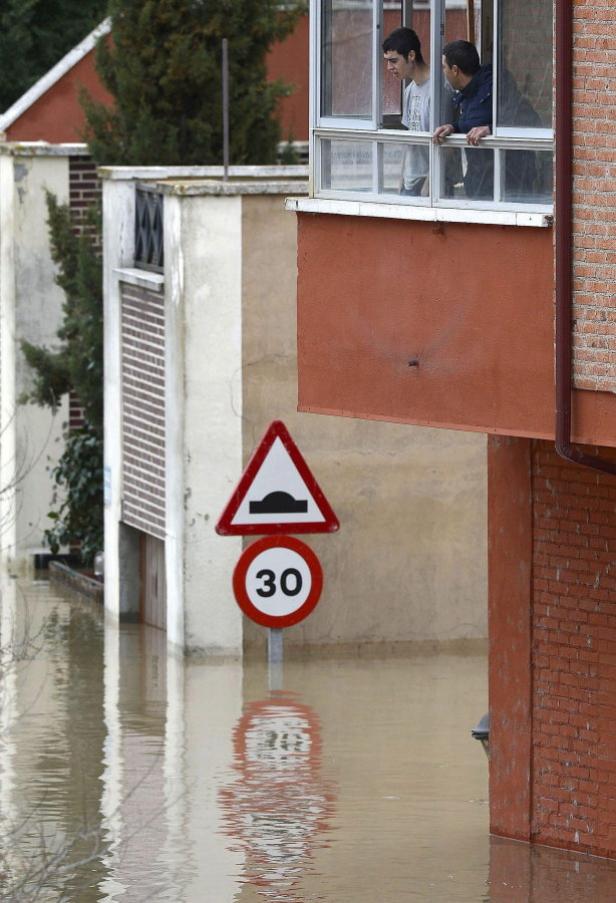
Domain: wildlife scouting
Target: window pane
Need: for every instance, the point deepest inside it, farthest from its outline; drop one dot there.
(346, 165)
(406, 85)
(467, 173)
(405, 170)
(526, 176)
(347, 58)
(525, 64)
(462, 21)
(391, 88)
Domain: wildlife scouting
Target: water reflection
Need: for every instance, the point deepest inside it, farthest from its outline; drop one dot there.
(145, 776)
(51, 673)
(278, 804)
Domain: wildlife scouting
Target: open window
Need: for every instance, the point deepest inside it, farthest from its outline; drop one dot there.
(361, 145)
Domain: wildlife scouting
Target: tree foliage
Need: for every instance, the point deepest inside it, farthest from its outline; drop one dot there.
(77, 361)
(163, 67)
(79, 511)
(35, 35)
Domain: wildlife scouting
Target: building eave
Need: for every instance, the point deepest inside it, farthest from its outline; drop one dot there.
(54, 75)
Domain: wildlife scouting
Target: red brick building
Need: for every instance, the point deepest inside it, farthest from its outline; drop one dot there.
(492, 311)
(50, 110)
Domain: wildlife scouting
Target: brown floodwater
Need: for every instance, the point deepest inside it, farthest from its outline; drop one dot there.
(129, 775)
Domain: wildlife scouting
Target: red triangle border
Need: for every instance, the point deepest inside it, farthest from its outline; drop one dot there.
(276, 430)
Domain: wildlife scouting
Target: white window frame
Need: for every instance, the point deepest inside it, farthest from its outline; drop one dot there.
(367, 130)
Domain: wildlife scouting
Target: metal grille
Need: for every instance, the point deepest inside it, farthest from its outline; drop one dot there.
(143, 410)
(149, 243)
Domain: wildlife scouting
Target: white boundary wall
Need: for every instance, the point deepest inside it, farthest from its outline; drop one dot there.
(30, 308)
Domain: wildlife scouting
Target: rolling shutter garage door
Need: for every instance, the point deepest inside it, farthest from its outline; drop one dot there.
(143, 409)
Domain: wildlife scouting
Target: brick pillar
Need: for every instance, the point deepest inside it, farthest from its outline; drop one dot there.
(552, 623)
(509, 625)
(574, 654)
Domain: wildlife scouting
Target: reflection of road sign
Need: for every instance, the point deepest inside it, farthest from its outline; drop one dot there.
(278, 807)
(277, 493)
(278, 581)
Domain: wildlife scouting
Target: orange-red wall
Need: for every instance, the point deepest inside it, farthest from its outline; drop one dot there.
(57, 116)
(510, 540)
(289, 61)
(472, 304)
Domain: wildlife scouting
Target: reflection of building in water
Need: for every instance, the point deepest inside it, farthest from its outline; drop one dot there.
(524, 872)
(278, 807)
(169, 738)
(51, 741)
(142, 801)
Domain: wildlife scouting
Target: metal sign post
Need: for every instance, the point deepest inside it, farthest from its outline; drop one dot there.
(275, 655)
(225, 108)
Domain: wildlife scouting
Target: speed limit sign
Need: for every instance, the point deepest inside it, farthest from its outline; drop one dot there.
(278, 581)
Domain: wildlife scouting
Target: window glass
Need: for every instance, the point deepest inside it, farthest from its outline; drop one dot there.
(525, 64)
(347, 58)
(526, 176)
(405, 170)
(406, 78)
(467, 173)
(346, 165)
(391, 88)
(510, 81)
(462, 21)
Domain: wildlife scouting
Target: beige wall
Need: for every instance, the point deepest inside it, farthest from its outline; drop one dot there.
(409, 562)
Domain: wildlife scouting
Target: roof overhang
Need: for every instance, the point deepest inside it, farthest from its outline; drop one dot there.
(54, 75)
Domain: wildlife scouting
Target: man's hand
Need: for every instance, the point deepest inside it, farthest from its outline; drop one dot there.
(443, 131)
(475, 135)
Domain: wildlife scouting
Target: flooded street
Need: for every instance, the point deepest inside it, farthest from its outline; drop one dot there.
(126, 775)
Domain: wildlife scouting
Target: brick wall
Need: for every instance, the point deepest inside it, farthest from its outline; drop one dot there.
(84, 191)
(595, 195)
(143, 410)
(573, 654)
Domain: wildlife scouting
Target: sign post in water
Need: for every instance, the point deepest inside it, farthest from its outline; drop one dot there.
(278, 580)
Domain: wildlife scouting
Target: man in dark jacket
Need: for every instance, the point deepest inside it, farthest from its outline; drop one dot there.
(473, 99)
(472, 84)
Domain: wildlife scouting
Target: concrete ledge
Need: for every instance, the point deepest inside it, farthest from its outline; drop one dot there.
(62, 574)
(42, 149)
(421, 212)
(154, 282)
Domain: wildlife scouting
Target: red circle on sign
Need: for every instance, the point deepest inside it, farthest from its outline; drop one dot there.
(240, 575)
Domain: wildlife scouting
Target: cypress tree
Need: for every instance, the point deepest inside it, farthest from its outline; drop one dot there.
(163, 67)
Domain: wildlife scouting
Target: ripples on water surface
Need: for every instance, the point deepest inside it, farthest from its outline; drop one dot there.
(127, 776)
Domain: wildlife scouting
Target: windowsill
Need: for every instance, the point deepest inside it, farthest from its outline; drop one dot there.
(422, 214)
(154, 282)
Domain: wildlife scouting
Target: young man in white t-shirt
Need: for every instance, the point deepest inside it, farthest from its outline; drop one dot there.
(402, 52)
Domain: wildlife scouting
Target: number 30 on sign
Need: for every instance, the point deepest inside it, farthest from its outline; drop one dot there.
(278, 581)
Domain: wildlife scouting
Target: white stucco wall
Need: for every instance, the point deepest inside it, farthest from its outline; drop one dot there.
(30, 308)
(204, 415)
(118, 252)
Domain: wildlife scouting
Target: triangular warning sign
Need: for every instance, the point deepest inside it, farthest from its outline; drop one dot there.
(277, 493)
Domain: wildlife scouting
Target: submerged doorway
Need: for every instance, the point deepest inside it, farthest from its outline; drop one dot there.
(153, 599)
